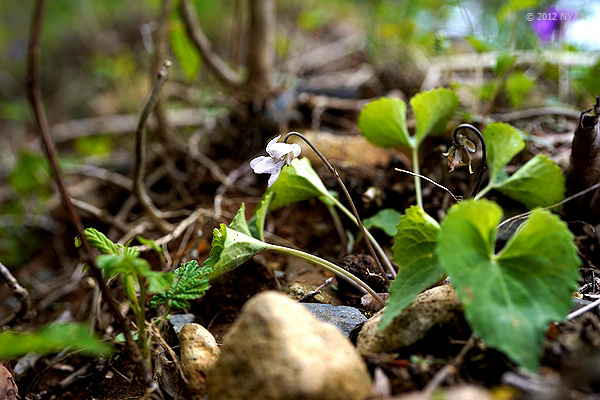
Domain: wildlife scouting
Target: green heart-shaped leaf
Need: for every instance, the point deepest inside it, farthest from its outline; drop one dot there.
(383, 123)
(413, 249)
(503, 142)
(433, 109)
(509, 297)
(297, 182)
(386, 220)
(538, 183)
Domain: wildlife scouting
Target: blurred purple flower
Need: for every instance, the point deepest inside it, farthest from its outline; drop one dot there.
(546, 25)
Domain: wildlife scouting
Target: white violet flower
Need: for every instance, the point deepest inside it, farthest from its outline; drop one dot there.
(280, 154)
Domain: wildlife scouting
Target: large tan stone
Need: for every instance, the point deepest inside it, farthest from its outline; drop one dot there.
(277, 350)
(199, 351)
(432, 308)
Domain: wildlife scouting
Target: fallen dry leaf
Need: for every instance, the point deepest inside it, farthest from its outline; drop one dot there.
(8, 387)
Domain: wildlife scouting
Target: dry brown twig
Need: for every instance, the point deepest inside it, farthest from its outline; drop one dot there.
(35, 98)
(164, 133)
(19, 291)
(260, 55)
(140, 153)
(125, 124)
(226, 75)
(179, 229)
(448, 369)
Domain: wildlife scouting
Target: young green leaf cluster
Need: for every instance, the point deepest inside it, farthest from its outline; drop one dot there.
(136, 274)
(119, 259)
(190, 283)
(505, 295)
(106, 246)
(383, 122)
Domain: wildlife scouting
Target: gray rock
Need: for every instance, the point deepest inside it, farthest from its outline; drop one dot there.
(433, 307)
(277, 350)
(179, 320)
(342, 317)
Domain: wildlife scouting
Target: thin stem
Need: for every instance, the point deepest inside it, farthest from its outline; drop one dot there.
(483, 165)
(449, 368)
(347, 194)
(430, 181)
(140, 153)
(378, 248)
(415, 162)
(35, 97)
(337, 270)
(337, 222)
(483, 192)
(316, 291)
(143, 337)
(560, 203)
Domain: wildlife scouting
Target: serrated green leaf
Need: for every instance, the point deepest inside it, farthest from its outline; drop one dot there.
(386, 220)
(510, 297)
(503, 142)
(190, 283)
(413, 249)
(256, 224)
(538, 183)
(433, 109)
(239, 222)
(383, 123)
(99, 241)
(51, 339)
(297, 182)
(185, 52)
(230, 249)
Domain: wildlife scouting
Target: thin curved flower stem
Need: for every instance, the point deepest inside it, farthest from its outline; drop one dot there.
(378, 248)
(336, 269)
(140, 153)
(347, 194)
(483, 165)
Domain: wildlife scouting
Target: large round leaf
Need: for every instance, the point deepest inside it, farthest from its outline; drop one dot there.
(383, 123)
(509, 297)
